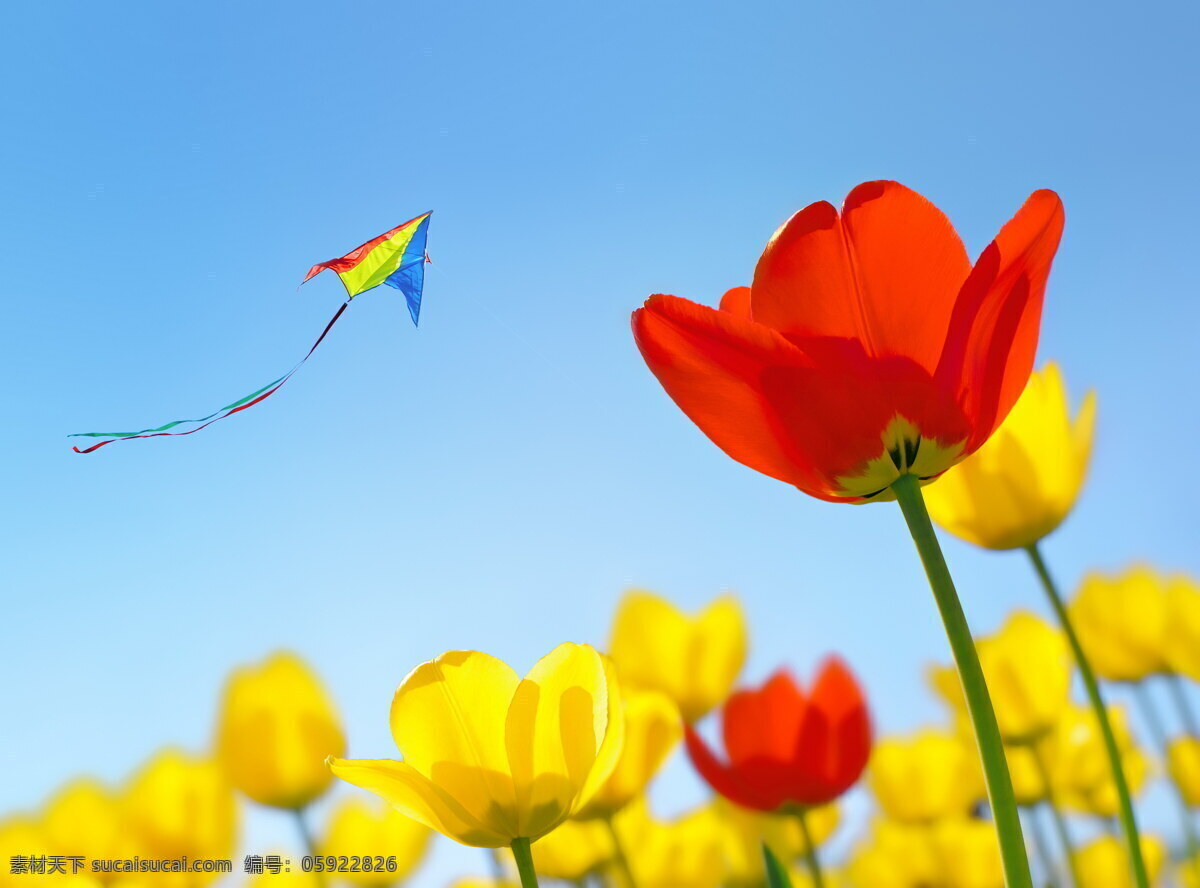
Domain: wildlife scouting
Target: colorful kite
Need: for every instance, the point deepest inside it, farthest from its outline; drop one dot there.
(396, 258)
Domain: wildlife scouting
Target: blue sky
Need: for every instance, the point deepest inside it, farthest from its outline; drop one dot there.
(495, 479)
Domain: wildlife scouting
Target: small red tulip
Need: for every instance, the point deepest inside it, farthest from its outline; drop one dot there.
(868, 347)
(786, 749)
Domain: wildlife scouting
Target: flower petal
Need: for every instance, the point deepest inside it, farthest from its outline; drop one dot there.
(612, 749)
(737, 301)
(448, 720)
(886, 273)
(725, 779)
(764, 723)
(711, 362)
(415, 796)
(555, 728)
(839, 698)
(993, 333)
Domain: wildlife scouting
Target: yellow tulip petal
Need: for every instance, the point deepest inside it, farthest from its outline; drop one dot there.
(652, 729)
(695, 661)
(556, 726)
(357, 828)
(612, 747)
(716, 653)
(277, 727)
(415, 796)
(1025, 479)
(448, 719)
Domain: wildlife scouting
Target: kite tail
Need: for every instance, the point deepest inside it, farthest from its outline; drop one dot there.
(228, 410)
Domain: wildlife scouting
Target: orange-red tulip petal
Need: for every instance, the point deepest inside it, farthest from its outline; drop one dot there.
(785, 748)
(867, 346)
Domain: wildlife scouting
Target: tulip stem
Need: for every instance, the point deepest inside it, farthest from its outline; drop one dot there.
(1129, 825)
(810, 849)
(979, 704)
(1141, 694)
(310, 845)
(524, 859)
(620, 860)
(1186, 713)
(1056, 814)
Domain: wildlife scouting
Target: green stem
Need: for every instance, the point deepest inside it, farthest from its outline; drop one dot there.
(1186, 713)
(810, 849)
(1056, 814)
(1041, 847)
(979, 703)
(310, 845)
(1129, 828)
(620, 861)
(524, 859)
(1142, 695)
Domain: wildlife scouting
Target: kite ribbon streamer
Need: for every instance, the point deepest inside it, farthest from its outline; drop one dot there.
(228, 410)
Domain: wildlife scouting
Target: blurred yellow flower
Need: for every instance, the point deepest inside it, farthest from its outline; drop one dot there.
(652, 731)
(179, 805)
(277, 726)
(359, 829)
(1183, 764)
(957, 852)
(746, 831)
(1183, 626)
(1028, 669)
(90, 820)
(1122, 621)
(1103, 863)
(295, 878)
(483, 882)
(1028, 785)
(574, 850)
(693, 660)
(1079, 764)
(968, 853)
(687, 852)
(490, 757)
(20, 836)
(929, 776)
(1022, 483)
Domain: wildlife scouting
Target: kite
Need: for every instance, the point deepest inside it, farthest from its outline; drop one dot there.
(396, 258)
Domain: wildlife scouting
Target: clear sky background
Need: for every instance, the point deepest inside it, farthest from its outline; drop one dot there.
(495, 479)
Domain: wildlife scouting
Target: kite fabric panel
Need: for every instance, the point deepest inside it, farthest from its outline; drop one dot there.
(396, 258)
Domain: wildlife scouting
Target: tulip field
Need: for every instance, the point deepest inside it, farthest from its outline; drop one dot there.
(762, 460)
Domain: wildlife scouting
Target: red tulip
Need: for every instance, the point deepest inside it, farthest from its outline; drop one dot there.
(868, 346)
(785, 749)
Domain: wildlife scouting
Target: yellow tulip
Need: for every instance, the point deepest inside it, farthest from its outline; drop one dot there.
(652, 730)
(687, 852)
(929, 776)
(574, 850)
(968, 853)
(957, 852)
(277, 727)
(1028, 785)
(1022, 483)
(1028, 669)
(490, 757)
(1079, 765)
(1123, 623)
(21, 836)
(895, 855)
(746, 831)
(90, 820)
(1183, 764)
(1183, 622)
(1103, 863)
(359, 829)
(181, 805)
(693, 660)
